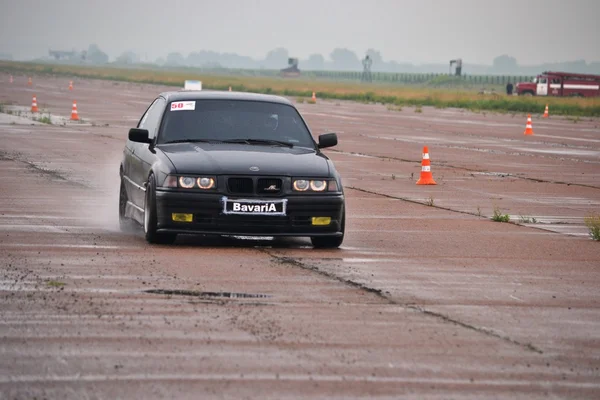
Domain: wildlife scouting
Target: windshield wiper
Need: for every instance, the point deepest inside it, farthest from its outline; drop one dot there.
(195, 141)
(260, 141)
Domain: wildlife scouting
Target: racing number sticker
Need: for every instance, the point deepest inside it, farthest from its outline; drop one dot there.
(183, 105)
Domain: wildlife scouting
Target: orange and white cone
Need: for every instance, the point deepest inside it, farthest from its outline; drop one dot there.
(528, 127)
(70, 85)
(426, 176)
(74, 113)
(314, 97)
(546, 112)
(34, 107)
(29, 82)
(230, 88)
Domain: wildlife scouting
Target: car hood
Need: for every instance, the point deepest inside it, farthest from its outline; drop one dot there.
(237, 159)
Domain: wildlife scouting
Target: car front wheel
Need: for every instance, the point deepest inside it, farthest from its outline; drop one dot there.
(150, 219)
(126, 224)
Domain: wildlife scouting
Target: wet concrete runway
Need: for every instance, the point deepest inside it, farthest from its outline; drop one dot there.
(422, 301)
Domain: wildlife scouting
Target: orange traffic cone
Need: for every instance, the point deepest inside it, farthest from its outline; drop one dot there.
(74, 114)
(426, 176)
(528, 127)
(314, 97)
(29, 82)
(70, 85)
(34, 107)
(546, 112)
(230, 88)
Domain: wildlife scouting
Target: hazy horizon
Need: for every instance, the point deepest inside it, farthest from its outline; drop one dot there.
(534, 32)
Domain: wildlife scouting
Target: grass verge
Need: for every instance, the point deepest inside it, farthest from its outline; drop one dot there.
(366, 93)
(593, 224)
(527, 220)
(45, 119)
(499, 217)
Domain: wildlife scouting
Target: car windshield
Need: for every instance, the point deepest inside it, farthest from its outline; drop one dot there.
(248, 122)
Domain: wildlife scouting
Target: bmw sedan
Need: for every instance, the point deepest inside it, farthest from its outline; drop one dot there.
(230, 164)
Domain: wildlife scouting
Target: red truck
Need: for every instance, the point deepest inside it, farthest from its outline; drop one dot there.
(560, 84)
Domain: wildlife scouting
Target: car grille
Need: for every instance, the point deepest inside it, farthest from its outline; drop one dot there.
(240, 185)
(269, 186)
(260, 186)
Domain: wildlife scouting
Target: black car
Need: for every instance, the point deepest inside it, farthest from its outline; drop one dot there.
(227, 163)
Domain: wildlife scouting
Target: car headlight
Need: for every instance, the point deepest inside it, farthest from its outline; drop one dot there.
(313, 185)
(190, 182)
(301, 185)
(205, 183)
(186, 182)
(318, 186)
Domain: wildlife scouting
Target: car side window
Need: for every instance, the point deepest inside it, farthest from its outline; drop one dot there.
(142, 120)
(151, 118)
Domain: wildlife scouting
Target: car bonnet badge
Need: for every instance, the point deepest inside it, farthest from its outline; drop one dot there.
(254, 168)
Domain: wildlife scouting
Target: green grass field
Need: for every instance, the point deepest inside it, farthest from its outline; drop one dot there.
(325, 89)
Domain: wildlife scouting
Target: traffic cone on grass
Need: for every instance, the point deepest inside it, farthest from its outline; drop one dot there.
(426, 176)
(74, 114)
(34, 107)
(528, 127)
(546, 112)
(314, 97)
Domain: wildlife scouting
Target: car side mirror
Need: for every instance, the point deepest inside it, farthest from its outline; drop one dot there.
(327, 140)
(139, 135)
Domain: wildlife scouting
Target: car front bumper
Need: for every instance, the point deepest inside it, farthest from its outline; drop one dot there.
(209, 218)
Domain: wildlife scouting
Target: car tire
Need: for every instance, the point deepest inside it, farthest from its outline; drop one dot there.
(150, 218)
(330, 242)
(125, 224)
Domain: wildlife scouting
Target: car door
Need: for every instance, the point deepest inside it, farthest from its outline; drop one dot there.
(142, 158)
(542, 87)
(131, 165)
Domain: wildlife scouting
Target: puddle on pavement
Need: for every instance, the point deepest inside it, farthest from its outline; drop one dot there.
(563, 152)
(368, 260)
(500, 174)
(219, 295)
(66, 246)
(361, 260)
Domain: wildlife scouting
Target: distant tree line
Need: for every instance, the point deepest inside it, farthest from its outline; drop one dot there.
(340, 59)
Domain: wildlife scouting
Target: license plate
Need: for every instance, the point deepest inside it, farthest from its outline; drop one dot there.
(254, 207)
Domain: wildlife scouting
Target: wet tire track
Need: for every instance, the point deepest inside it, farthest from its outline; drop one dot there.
(296, 262)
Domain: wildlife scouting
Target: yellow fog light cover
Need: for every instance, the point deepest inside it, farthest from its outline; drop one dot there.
(321, 220)
(180, 217)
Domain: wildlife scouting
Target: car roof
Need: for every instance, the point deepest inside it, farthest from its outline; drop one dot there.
(183, 95)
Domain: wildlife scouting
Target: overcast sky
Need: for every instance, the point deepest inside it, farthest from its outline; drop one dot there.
(418, 31)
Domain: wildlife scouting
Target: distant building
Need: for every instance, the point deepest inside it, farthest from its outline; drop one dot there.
(292, 71)
(61, 55)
